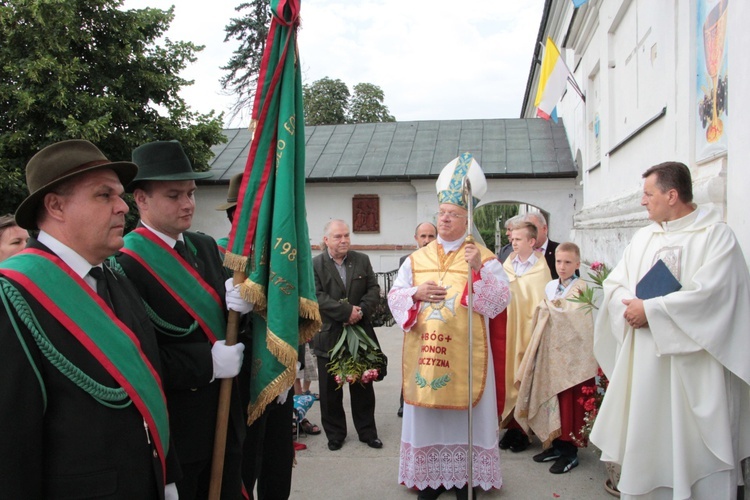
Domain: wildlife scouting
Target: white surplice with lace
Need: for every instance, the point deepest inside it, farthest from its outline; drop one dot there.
(434, 443)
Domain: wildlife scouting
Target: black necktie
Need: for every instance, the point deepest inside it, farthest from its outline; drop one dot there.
(101, 285)
(181, 249)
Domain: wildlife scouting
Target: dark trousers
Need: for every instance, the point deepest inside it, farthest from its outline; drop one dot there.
(196, 478)
(268, 449)
(332, 406)
(268, 452)
(565, 447)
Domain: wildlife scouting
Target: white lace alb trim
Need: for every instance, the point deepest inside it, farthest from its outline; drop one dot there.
(446, 465)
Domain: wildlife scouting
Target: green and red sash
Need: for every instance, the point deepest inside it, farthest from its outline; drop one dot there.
(222, 243)
(178, 278)
(73, 303)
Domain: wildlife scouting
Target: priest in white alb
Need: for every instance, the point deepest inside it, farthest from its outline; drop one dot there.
(676, 413)
(429, 301)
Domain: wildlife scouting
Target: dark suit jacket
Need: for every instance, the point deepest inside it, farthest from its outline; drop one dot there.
(549, 256)
(187, 361)
(361, 289)
(76, 447)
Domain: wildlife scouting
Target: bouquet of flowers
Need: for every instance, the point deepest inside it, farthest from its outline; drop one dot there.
(589, 297)
(355, 357)
(593, 394)
(591, 402)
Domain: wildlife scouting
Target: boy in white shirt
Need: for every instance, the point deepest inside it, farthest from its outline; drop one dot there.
(567, 262)
(523, 238)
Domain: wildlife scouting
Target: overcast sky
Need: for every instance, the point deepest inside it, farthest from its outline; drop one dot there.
(434, 59)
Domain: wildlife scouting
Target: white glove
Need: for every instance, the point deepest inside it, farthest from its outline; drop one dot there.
(235, 302)
(170, 492)
(281, 398)
(227, 359)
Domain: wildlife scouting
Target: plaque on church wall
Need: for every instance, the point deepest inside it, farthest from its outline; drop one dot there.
(366, 213)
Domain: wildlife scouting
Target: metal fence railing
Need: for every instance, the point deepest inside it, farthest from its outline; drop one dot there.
(383, 316)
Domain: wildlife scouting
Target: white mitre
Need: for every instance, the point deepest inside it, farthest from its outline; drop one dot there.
(449, 184)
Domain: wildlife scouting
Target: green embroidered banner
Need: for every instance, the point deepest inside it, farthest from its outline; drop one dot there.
(71, 301)
(269, 240)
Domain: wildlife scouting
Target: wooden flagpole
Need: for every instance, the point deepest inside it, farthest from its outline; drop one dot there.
(225, 398)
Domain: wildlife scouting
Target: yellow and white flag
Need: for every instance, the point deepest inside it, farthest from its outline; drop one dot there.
(552, 81)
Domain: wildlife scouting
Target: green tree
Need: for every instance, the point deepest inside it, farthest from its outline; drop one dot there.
(325, 102)
(244, 66)
(85, 69)
(328, 102)
(366, 105)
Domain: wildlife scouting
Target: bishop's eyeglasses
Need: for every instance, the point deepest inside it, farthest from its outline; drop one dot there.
(452, 215)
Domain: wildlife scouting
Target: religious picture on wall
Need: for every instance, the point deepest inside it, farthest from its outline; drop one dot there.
(366, 213)
(712, 82)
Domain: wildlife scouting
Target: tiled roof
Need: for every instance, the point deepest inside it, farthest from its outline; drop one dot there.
(505, 148)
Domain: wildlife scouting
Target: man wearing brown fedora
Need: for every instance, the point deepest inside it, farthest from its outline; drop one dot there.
(83, 408)
(181, 277)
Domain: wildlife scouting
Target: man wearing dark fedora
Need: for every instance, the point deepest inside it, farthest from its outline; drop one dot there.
(83, 408)
(181, 277)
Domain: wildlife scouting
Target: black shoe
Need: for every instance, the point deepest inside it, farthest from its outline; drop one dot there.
(400, 411)
(334, 444)
(508, 438)
(520, 443)
(564, 464)
(430, 493)
(373, 443)
(548, 455)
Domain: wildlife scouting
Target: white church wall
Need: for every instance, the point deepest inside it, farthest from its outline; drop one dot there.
(738, 176)
(558, 197)
(627, 69)
(398, 216)
(206, 219)
(402, 206)
(633, 59)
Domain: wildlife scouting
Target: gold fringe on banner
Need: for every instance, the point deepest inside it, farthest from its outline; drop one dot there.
(285, 353)
(281, 383)
(254, 293)
(311, 320)
(235, 262)
(287, 356)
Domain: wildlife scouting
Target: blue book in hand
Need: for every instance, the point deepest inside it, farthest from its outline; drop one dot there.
(657, 282)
